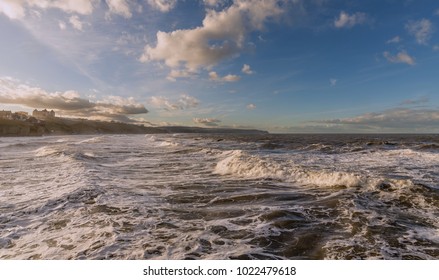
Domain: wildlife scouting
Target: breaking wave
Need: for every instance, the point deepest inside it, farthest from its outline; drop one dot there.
(241, 164)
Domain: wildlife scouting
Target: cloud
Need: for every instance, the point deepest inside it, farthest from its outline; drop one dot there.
(13, 9)
(76, 22)
(213, 3)
(333, 82)
(421, 30)
(183, 103)
(174, 74)
(246, 69)
(162, 5)
(251, 106)
(436, 47)
(222, 35)
(398, 118)
(213, 76)
(68, 103)
(347, 21)
(62, 25)
(394, 40)
(206, 121)
(417, 101)
(16, 9)
(401, 57)
(119, 7)
(83, 7)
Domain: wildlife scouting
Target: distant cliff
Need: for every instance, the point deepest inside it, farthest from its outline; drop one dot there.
(187, 129)
(62, 126)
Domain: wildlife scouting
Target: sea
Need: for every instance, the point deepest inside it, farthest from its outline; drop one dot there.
(213, 196)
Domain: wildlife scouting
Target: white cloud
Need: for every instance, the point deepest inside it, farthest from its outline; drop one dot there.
(207, 121)
(69, 102)
(393, 118)
(76, 22)
(222, 35)
(231, 78)
(401, 57)
(83, 7)
(394, 40)
(174, 74)
(436, 47)
(348, 21)
(213, 3)
(16, 9)
(213, 76)
(119, 7)
(421, 30)
(162, 5)
(333, 82)
(183, 103)
(251, 106)
(13, 9)
(246, 69)
(62, 25)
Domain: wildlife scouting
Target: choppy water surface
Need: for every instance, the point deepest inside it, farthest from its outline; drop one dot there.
(220, 197)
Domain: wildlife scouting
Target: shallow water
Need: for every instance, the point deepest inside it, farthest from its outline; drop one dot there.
(220, 197)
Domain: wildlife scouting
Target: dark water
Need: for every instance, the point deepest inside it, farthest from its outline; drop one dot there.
(220, 197)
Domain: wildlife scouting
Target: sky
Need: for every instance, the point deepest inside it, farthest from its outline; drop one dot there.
(287, 66)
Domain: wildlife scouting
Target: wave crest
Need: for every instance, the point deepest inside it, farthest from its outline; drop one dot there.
(241, 164)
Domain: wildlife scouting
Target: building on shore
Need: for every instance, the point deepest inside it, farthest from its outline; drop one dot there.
(43, 114)
(6, 115)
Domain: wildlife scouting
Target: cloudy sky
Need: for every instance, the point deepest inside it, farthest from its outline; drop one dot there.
(278, 65)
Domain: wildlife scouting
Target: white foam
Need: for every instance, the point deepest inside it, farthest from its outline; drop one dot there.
(241, 164)
(93, 140)
(46, 151)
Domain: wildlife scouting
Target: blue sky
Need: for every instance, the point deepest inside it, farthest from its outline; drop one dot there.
(278, 65)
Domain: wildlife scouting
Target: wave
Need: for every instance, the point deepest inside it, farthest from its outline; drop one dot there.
(47, 151)
(93, 140)
(241, 164)
(160, 142)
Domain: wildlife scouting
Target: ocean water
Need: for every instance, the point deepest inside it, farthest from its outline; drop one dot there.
(188, 196)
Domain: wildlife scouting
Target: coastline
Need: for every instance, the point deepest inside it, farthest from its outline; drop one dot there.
(65, 126)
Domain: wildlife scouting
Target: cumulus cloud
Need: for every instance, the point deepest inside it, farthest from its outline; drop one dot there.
(401, 57)
(162, 5)
(345, 20)
(213, 3)
(119, 7)
(251, 106)
(333, 82)
(421, 30)
(76, 22)
(13, 9)
(394, 40)
(246, 69)
(222, 35)
(62, 25)
(206, 121)
(213, 76)
(16, 9)
(68, 103)
(174, 74)
(183, 103)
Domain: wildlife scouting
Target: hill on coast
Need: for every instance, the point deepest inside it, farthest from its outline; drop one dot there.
(65, 126)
